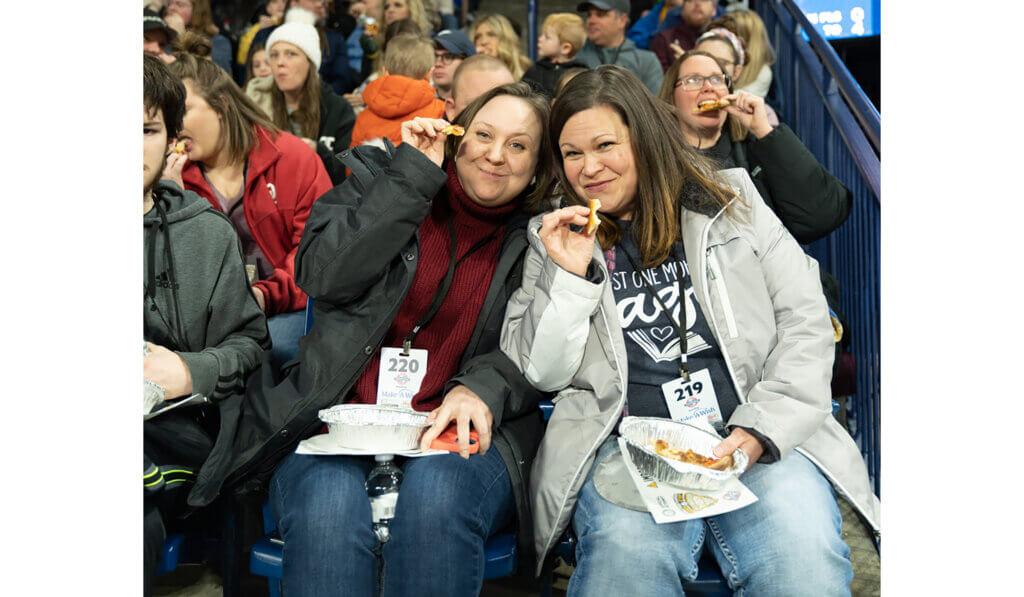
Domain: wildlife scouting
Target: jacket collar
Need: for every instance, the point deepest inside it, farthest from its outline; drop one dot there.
(261, 158)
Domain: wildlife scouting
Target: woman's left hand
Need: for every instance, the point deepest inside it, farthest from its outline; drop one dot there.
(740, 438)
(463, 406)
(750, 111)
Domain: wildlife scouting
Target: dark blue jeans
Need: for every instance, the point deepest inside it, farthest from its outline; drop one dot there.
(447, 508)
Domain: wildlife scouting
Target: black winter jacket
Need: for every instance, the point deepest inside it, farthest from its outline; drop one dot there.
(544, 75)
(357, 260)
(337, 118)
(810, 201)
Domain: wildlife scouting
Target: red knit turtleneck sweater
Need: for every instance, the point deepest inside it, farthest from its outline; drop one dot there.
(447, 335)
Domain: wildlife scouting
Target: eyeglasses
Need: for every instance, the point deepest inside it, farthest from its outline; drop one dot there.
(695, 82)
(447, 58)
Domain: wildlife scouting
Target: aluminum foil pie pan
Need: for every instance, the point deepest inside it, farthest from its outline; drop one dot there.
(375, 428)
(640, 434)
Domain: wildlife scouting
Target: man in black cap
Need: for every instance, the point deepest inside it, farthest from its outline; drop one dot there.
(451, 47)
(607, 21)
(157, 36)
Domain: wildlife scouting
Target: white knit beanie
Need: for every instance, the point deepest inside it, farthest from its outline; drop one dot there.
(298, 30)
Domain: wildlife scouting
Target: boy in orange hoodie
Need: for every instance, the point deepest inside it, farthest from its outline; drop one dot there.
(402, 93)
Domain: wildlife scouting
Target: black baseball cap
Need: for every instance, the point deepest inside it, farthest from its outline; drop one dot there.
(151, 21)
(619, 5)
(455, 42)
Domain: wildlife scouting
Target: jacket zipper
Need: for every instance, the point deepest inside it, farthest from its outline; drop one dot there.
(732, 375)
(723, 294)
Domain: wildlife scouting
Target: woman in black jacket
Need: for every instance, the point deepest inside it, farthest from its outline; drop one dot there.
(377, 252)
(299, 101)
(810, 201)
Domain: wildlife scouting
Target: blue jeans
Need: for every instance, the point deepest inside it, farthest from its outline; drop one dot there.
(285, 331)
(788, 543)
(447, 508)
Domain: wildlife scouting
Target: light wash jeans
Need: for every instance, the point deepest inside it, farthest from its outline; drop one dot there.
(786, 544)
(447, 508)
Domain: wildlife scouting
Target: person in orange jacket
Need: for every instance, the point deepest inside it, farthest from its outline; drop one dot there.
(402, 93)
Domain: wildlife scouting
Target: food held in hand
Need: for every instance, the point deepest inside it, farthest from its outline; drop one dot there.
(371, 28)
(709, 105)
(454, 129)
(661, 448)
(593, 220)
(180, 147)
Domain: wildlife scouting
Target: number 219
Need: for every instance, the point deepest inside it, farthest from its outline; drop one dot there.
(689, 390)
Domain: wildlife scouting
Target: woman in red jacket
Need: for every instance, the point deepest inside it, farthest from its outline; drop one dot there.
(264, 180)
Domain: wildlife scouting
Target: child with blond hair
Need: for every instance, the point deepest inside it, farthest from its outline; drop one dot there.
(562, 36)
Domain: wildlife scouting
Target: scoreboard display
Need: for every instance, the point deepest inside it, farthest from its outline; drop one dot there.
(843, 19)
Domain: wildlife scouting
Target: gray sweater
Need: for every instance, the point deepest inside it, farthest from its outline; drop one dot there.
(196, 299)
(642, 63)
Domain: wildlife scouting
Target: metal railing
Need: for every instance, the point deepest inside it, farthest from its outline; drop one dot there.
(816, 95)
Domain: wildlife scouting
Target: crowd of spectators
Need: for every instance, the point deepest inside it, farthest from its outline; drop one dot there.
(305, 157)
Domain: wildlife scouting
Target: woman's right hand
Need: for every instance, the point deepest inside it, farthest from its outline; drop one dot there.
(425, 135)
(571, 251)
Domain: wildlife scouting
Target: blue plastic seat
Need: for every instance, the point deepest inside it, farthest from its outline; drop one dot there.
(170, 557)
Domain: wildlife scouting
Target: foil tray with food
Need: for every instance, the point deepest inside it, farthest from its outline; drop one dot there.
(679, 454)
(374, 428)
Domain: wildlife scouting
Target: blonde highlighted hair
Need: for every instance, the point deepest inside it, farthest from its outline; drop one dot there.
(409, 55)
(749, 27)
(509, 50)
(568, 28)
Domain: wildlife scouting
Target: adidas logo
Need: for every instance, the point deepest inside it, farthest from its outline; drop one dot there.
(163, 281)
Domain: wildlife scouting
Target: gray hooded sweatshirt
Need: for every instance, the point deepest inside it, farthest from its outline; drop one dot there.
(196, 298)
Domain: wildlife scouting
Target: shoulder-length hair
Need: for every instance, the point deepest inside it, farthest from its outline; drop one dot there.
(543, 173)
(669, 172)
(239, 114)
(668, 90)
(509, 50)
(307, 115)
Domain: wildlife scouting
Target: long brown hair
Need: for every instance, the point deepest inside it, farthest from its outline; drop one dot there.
(307, 115)
(669, 172)
(543, 173)
(239, 115)
(668, 86)
(202, 18)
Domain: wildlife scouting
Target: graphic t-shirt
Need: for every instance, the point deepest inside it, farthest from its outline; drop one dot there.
(652, 340)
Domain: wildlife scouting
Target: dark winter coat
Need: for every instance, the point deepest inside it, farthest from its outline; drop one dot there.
(357, 261)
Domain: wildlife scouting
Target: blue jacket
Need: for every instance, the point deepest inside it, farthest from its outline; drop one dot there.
(646, 26)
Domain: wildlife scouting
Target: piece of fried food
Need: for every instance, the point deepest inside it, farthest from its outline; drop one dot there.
(593, 220)
(179, 147)
(709, 105)
(454, 129)
(662, 448)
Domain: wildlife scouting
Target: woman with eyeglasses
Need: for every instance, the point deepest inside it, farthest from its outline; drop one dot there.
(806, 197)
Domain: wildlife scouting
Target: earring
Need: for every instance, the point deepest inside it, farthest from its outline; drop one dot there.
(534, 181)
